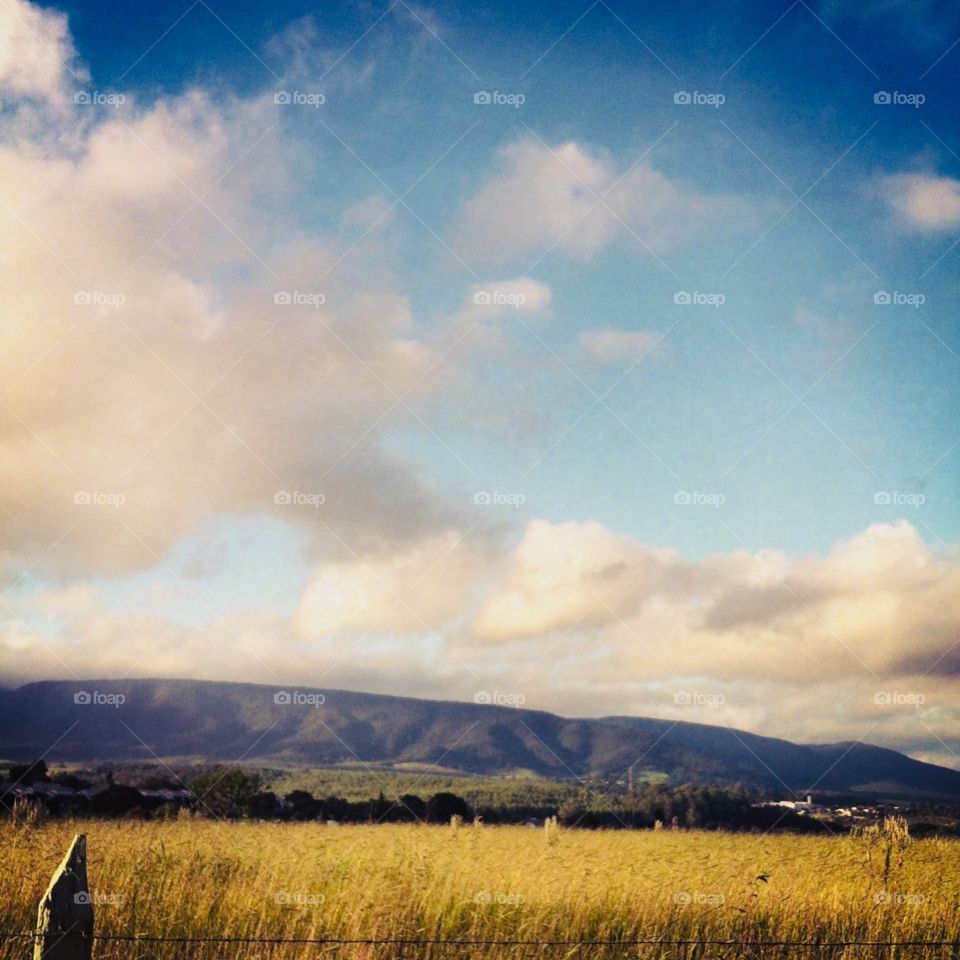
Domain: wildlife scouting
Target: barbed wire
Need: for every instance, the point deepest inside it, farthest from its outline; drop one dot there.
(430, 941)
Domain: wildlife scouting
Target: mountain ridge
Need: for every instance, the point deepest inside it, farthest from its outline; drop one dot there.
(228, 721)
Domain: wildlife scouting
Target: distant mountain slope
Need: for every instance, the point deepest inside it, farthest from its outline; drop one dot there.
(233, 721)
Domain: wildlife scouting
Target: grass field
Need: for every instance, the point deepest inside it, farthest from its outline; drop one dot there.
(199, 878)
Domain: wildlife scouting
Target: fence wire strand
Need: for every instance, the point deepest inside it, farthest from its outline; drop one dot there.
(442, 942)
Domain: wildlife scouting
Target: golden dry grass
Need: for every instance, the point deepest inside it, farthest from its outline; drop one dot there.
(196, 878)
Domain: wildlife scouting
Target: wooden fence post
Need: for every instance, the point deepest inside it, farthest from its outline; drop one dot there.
(65, 916)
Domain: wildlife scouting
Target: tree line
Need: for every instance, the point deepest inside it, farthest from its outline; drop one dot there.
(240, 793)
(237, 793)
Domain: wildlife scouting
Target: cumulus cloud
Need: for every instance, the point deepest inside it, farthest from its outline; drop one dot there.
(569, 575)
(238, 647)
(486, 321)
(862, 639)
(413, 591)
(169, 354)
(744, 615)
(37, 58)
(575, 200)
(923, 201)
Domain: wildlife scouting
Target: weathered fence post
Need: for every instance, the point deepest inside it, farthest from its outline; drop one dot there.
(65, 916)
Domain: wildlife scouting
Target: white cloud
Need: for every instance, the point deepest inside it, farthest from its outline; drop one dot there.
(881, 604)
(144, 354)
(414, 591)
(576, 201)
(923, 201)
(36, 53)
(569, 575)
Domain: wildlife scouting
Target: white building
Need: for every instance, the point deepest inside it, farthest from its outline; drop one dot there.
(799, 806)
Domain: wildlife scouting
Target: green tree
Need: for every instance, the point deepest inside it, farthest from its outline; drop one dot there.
(225, 793)
(442, 806)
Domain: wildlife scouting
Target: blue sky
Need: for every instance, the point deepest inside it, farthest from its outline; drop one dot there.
(693, 370)
(799, 99)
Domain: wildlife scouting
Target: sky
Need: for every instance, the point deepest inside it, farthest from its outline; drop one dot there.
(597, 358)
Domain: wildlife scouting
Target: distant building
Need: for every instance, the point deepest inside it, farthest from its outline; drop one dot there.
(168, 795)
(807, 807)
